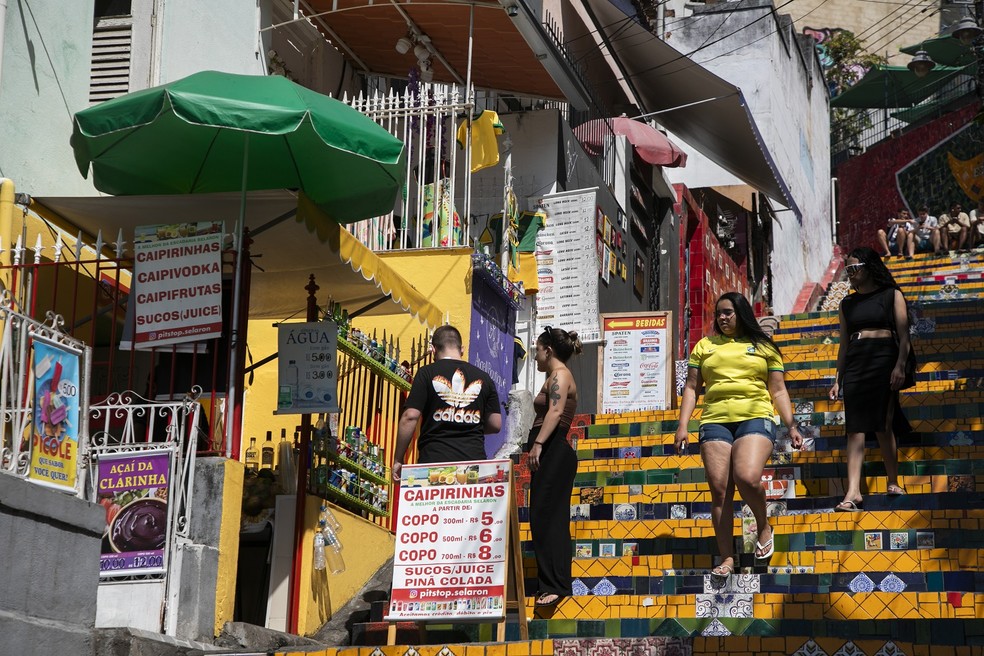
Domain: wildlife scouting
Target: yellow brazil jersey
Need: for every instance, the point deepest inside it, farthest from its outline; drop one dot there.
(735, 372)
(484, 147)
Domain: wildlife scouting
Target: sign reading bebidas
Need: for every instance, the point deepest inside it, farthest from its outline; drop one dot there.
(636, 362)
(451, 541)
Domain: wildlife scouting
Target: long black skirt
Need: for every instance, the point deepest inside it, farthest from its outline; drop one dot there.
(550, 513)
(867, 387)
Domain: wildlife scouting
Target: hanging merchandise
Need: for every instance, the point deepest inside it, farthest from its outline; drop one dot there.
(333, 550)
(484, 147)
(438, 204)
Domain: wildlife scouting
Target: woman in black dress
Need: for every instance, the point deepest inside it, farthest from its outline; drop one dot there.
(553, 464)
(874, 344)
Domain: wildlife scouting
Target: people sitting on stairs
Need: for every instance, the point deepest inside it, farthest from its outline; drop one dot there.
(871, 368)
(926, 238)
(894, 239)
(741, 371)
(955, 228)
(977, 224)
(553, 464)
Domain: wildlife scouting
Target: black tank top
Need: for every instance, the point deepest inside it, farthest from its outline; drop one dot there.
(871, 311)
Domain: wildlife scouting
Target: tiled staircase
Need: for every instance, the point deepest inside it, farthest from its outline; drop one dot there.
(902, 577)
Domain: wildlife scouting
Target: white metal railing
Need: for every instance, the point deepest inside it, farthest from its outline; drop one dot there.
(17, 394)
(434, 208)
(128, 423)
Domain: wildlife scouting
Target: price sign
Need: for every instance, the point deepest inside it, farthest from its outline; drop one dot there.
(636, 362)
(451, 546)
(308, 367)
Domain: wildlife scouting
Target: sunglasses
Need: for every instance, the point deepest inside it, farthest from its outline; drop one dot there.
(852, 269)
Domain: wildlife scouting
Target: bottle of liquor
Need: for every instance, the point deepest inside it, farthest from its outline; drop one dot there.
(266, 453)
(251, 461)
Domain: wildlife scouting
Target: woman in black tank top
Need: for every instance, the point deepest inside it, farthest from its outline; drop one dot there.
(553, 464)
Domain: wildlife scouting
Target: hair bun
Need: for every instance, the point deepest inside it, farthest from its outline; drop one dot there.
(575, 342)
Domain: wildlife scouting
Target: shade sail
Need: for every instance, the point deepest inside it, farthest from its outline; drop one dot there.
(652, 145)
(303, 242)
(944, 50)
(709, 113)
(896, 86)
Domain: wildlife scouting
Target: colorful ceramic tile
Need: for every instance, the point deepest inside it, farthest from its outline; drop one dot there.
(724, 605)
(604, 588)
(606, 549)
(873, 540)
(715, 628)
(635, 490)
(892, 583)
(861, 583)
(592, 495)
(584, 550)
(630, 548)
(925, 540)
(629, 452)
(898, 540)
(625, 512)
(678, 511)
(580, 512)
(749, 534)
(578, 589)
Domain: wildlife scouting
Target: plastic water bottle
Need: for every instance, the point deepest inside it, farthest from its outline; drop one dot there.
(319, 551)
(333, 551)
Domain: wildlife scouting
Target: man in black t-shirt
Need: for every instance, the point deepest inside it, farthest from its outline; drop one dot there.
(457, 402)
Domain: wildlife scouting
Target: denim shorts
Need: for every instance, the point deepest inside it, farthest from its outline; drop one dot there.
(731, 431)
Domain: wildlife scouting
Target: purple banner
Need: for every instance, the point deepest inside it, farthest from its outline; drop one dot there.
(490, 347)
(134, 490)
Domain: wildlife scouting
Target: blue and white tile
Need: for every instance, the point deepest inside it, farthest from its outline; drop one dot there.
(892, 583)
(862, 583)
(604, 588)
(736, 583)
(724, 605)
(715, 628)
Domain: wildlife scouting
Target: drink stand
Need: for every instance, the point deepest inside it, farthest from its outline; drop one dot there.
(458, 555)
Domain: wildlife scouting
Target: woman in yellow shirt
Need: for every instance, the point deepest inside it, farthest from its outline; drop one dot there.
(743, 372)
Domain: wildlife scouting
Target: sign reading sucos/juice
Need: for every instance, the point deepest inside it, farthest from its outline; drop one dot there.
(451, 541)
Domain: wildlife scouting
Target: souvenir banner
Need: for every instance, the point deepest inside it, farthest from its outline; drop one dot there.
(491, 346)
(177, 283)
(568, 296)
(636, 362)
(55, 440)
(451, 547)
(307, 362)
(133, 488)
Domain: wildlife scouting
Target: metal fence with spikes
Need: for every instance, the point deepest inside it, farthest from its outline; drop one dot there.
(89, 284)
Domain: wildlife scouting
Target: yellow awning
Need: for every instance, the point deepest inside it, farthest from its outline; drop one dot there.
(291, 240)
(363, 261)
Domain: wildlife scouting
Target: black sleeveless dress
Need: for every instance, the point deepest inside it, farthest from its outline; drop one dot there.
(550, 501)
(868, 364)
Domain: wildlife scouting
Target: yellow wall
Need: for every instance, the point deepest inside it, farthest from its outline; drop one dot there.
(365, 548)
(444, 276)
(225, 586)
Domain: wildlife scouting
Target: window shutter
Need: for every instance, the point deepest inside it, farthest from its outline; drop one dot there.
(109, 76)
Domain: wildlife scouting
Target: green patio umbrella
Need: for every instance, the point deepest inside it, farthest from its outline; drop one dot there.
(220, 132)
(213, 132)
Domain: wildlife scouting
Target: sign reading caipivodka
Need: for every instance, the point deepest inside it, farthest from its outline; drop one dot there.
(308, 367)
(451, 541)
(177, 273)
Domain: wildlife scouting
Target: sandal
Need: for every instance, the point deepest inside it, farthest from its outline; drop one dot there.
(724, 570)
(548, 599)
(767, 549)
(894, 491)
(849, 506)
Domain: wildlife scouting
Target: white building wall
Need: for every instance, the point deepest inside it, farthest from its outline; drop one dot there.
(45, 80)
(786, 95)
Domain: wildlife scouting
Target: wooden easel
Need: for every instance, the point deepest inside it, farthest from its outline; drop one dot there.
(515, 583)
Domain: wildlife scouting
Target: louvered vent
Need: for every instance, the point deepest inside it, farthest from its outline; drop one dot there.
(111, 47)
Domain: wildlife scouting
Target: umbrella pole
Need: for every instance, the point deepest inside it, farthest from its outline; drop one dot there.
(232, 407)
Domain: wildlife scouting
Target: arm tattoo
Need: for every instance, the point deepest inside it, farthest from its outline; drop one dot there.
(554, 390)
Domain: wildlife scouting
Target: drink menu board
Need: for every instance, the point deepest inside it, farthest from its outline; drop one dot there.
(451, 541)
(566, 260)
(636, 362)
